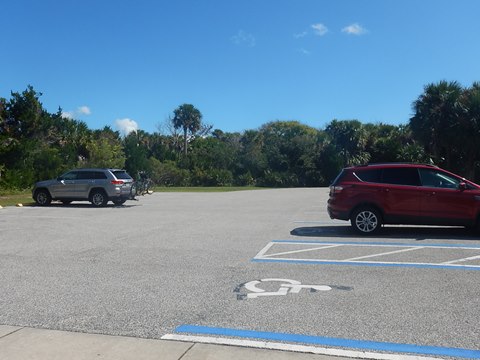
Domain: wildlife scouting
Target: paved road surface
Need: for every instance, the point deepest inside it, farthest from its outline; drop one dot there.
(178, 259)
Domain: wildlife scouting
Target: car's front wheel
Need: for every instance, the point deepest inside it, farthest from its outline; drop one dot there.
(98, 198)
(366, 220)
(42, 197)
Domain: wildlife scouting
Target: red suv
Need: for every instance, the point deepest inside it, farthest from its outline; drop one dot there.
(377, 194)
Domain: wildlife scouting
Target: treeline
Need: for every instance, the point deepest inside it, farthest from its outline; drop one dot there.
(37, 145)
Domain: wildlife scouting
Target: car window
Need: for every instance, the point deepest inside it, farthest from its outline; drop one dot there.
(369, 175)
(401, 176)
(99, 175)
(85, 175)
(121, 174)
(438, 179)
(72, 175)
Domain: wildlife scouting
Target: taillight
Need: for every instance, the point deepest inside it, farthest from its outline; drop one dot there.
(337, 189)
(117, 182)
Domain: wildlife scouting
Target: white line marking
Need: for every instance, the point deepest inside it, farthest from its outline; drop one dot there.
(264, 250)
(293, 348)
(385, 253)
(366, 262)
(426, 246)
(462, 260)
(303, 250)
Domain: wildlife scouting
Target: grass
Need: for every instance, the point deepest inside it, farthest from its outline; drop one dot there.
(25, 197)
(16, 197)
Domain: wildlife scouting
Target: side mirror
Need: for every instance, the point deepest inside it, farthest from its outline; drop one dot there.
(462, 186)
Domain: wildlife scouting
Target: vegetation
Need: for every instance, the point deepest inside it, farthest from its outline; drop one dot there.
(37, 145)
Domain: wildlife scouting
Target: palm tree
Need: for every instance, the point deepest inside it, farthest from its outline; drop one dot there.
(436, 119)
(470, 129)
(189, 119)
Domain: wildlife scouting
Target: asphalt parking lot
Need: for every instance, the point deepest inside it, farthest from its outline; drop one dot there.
(265, 264)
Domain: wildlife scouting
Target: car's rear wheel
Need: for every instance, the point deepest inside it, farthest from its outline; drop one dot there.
(42, 197)
(98, 198)
(366, 220)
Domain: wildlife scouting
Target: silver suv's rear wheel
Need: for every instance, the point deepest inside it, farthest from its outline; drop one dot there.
(366, 220)
(98, 198)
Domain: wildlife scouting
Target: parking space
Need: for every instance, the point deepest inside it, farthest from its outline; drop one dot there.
(444, 256)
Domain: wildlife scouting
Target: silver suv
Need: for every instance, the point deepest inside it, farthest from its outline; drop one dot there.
(95, 185)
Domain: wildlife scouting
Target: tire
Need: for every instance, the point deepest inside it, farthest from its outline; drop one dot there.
(133, 191)
(98, 198)
(42, 197)
(366, 220)
(119, 202)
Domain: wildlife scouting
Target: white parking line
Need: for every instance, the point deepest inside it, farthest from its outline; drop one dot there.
(293, 348)
(303, 250)
(462, 260)
(384, 253)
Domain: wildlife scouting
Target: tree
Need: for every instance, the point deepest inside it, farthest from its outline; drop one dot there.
(136, 153)
(105, 150)
(189, 119)
(290, 150)
(470, 130)
(436, 120)
(349, 138)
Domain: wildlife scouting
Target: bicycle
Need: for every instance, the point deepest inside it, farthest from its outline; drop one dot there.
(143, 185)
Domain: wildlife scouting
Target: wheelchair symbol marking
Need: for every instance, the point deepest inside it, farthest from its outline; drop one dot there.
(286, 287)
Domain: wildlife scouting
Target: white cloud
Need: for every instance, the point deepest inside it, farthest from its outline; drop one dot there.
(354, 29)
(67, 114)
(319, 29)
(81, 110)
(126, 126)
(85, 110)
(300, 35)
(243, 38)
(304, 51)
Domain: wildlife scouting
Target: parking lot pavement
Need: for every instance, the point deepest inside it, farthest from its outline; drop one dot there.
(199, 267)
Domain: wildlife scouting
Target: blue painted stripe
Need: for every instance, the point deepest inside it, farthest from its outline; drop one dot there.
(328, 341)
(358, 263)
(375, 243)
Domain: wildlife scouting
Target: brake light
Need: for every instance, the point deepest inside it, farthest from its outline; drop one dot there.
(117, 182)
(337, 189)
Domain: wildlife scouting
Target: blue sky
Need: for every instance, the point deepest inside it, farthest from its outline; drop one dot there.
(241, 63)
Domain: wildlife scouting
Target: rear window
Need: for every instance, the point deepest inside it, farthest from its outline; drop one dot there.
(100, 175)
(121, 174)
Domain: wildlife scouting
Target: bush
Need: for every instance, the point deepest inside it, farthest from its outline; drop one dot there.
(167, 173)
(212, 177)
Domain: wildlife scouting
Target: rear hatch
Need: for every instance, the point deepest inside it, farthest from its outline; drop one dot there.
(124, 180)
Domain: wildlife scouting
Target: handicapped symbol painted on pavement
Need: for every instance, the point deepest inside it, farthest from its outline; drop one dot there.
(286, 287)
